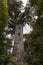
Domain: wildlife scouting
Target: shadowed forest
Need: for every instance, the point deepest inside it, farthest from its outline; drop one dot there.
(17, 48)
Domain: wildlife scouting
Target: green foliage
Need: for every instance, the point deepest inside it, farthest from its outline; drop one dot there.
(5, 43)
(34, 41)
(3, 15)
(33, 2)
(13, 61)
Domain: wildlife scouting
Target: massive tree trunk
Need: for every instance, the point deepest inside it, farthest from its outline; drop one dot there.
(18, 49)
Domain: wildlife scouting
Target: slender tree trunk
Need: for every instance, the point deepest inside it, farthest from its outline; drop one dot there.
(18, 49)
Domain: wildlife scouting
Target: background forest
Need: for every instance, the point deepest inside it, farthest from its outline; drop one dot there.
(13, 12)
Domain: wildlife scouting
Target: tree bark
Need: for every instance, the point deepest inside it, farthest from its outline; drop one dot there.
(18, 49)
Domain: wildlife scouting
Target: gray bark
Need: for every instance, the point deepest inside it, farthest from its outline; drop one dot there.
(18, 49)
